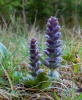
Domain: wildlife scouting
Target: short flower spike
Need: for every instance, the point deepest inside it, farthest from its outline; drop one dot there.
(34, 58)
(53, 42)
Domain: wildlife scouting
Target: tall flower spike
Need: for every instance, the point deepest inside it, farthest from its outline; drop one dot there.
(53, 42)
(34, 58)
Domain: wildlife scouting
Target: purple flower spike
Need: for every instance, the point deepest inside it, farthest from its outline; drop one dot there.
(34, 58)
(53, 42)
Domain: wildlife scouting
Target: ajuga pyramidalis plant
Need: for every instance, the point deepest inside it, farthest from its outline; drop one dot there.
(34, 58)
(53, 42)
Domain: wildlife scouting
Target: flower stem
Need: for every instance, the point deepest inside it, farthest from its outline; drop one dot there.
(51, 72)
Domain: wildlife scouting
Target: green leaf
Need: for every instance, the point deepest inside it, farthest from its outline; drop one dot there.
(3, 50)
(28, 77)
(29, 80)
(56, 96)
(42, 81)
(30, 83)
(80, 97)
(41, 77)
(76, 68)
(17, 76)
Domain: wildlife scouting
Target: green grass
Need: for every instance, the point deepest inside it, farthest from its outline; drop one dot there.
(14, 67)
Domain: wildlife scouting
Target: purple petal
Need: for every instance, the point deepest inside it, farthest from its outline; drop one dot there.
(58, 45)
(30, 67)
(34, 54)
(57, 50)
(38, 63)
(37, 68)
(57, 35)
(38, 56)
(55, 23)
(51, 42)
(32, 51)
(49, 26)
(56, 29)
(32, 46)
(37, 53)
(47, 29)
(46, 63)
(47, 44)
(52, 19)
(50, 60)
(39, 71)
(49, 34)
(35, 58)
(50, 50)
(32, 64)
(46, 52)
(32, 58)
(57, 59)
(57, 54)
(33, 41)
(57, 42)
